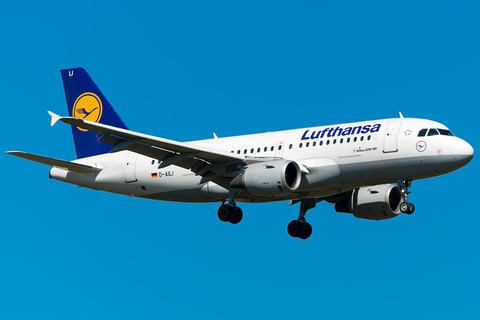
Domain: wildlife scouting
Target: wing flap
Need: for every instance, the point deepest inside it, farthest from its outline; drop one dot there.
(57, 163)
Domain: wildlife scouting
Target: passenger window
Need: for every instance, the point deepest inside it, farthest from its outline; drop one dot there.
(290, 146)
(361, 138)
(355, 139)
(348, 140)
(328, 142)
(251, 150)
(265, 149)
(334, 141)
(314, 143)
(307, 144)
(341, 140)
(258, 150)
(279, 147)
(321, 143)
(445, 132)
(432, 132)
(238, 151)
(300, 145)
(368, 138)
(272, 148)
(422, 133)
(153, 161)
(245, 151)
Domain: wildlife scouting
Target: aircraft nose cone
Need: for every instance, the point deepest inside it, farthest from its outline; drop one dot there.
(465, 153)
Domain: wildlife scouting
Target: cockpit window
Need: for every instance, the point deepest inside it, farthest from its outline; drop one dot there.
(422, 133)
(435, 132)
(445, 132)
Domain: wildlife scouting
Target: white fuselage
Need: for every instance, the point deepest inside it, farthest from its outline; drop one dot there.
(341, 157)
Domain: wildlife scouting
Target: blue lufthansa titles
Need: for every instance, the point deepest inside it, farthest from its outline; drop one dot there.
(337, 132)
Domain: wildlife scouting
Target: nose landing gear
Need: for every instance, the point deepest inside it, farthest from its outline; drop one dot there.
(405, 207)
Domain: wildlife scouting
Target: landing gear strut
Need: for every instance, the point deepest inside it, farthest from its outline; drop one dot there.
(300, 228)
(405, 207)
(230, 212)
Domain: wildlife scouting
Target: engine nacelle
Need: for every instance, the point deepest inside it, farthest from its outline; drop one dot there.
(269, 178)
(373, 203)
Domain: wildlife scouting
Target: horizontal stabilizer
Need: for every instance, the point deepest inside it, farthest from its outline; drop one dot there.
(61, 164)
(55, 118)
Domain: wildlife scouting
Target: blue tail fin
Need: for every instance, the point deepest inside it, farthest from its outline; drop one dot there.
(86, 101)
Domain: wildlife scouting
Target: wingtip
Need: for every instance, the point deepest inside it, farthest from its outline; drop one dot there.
(55, 118)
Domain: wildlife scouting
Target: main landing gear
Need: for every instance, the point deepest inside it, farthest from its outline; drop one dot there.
(230, 213)
(405, 207)
(300, 228)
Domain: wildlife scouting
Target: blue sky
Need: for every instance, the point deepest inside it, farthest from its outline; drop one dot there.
(183, 70)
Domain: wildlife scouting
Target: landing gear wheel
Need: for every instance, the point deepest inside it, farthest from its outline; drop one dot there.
(407, 207)
(299, 229)
(404, 207)
(295, 228)
(307, 231)
(225, 212)
(411, 208)
(228, 213)
(238, 215)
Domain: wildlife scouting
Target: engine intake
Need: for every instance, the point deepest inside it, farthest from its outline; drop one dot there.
(274, 177)
(373, 203)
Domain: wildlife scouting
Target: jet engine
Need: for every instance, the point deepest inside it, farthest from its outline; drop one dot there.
(373, 203)
(270, 178)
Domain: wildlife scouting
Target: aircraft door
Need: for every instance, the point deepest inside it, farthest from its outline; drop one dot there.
(130, 161)
(390, 139)
(279, 149)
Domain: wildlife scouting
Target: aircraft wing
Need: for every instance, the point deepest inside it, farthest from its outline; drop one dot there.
(200, 160)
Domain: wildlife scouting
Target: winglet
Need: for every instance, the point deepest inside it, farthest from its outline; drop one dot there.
(55, 118)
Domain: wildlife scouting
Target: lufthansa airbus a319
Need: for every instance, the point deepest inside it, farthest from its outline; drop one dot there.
(364, 168)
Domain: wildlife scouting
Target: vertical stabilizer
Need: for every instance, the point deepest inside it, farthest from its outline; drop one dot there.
(86, 101)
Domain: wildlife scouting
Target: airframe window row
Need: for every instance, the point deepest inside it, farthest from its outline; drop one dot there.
(307, 144)
(334, 141)
(252, 150)
(434, 132)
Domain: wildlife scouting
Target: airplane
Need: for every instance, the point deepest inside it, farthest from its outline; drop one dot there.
(364, 168)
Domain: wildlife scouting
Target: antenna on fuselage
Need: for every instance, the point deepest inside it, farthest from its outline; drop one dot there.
(401, 115)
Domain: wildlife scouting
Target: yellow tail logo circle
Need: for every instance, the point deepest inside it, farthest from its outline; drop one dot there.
(88, 106)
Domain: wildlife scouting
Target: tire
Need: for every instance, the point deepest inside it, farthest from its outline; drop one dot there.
(238, 215)
(411, 208)
(225, 212)
(295, 228)
(307, 231)
(404, 206)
